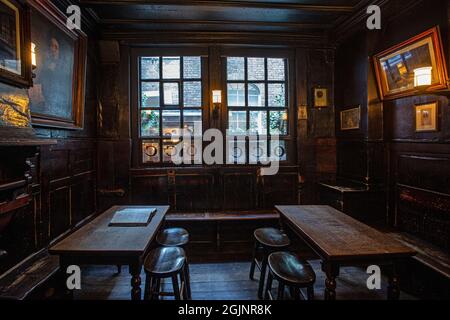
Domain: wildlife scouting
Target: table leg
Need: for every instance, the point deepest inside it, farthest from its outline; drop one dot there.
(332, 271)
(135, 271)
(394, 287)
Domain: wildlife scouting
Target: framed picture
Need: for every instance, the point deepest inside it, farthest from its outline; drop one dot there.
(303, 113)
(426, 117)
(57, 96)
(351, 119)
(15, 49)
(395, 67)
(320, 98)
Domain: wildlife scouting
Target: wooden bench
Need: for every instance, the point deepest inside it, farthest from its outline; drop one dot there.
(24, 279)
(217, 236)
(428, 254)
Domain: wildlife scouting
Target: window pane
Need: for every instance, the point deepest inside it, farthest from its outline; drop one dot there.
(237, 122)
(150, 68)
(169, 149)
(256, 95)
(276, 95)
(193, 120)
(150, 151)
(171, 67)
(192, 68)
(171, 122)
(276, 69)
(192, 94)
(150, 94)
(278, 150)
(278, 122)
(149, 123)
(171, 94)
(256, 70)
(258, 122)
(235, 68)
(236, 152)
(236, 94)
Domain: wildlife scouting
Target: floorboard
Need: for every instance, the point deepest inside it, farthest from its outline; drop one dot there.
(222, 281)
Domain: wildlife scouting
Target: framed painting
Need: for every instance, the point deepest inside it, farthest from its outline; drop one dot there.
(395, 67)
(57, 95)
(15, 49)
(320, 98)
(426, 117)
(351, 119)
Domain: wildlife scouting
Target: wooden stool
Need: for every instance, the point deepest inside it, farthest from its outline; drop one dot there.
(173, 237)
(292, 272)
(267, 240)
(162, 263)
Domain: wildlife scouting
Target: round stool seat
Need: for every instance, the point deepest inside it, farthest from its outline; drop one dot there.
(290, 269)
(272, 238)
(165, 261)
(173, 237)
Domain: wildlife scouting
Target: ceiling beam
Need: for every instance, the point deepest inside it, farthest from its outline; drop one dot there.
(216, 22)
(226, 3)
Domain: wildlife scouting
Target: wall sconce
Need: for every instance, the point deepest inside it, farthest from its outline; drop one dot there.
(423, 77)
(217, 101)
(33, 58)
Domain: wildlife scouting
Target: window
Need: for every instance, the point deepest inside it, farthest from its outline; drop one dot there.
(257, 102)
(170, 95)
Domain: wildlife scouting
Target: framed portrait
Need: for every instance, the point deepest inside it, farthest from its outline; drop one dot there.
(15, 49)
(303, 113)
(395, 67)
(57, 95)
(320, 98)
(351, 119)
(426, 117)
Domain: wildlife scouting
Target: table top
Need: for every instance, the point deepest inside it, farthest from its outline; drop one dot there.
(337, 236)
(98, 238)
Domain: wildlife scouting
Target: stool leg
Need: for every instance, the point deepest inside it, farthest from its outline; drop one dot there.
(119, 269)
(253, 265)
(296, 293)
(187, 280)
(310, 293)
(176, 287)
(280, 291)
(262, 276)
(148, 285)
(269, 286)
(155, 288)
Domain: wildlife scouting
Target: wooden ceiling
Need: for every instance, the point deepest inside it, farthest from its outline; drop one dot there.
(287, 18)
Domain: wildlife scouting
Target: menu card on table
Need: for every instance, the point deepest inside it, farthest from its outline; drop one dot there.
(132, 217)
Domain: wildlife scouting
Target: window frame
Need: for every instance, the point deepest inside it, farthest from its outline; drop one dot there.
(289, 56)
(135, 97)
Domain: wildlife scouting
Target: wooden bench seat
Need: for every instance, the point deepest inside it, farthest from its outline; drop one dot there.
(21, 281)
(428, 254)
(223, 216)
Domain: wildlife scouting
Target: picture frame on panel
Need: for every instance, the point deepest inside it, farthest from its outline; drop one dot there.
(351, 119)
(426, 117)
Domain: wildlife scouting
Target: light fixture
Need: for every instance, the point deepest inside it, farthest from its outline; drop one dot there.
(33, 55)
(423, 77)
(217, 96)
(217, 100)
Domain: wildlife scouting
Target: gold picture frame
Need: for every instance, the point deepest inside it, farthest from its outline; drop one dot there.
(351, 119)
(303, 113)
(320, 97)
(395, 67)
(426, 116)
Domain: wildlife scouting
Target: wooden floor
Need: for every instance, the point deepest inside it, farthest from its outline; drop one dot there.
(224, 281)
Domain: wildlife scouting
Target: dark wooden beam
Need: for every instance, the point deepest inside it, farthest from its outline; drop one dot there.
(215, 22)
(226, 3)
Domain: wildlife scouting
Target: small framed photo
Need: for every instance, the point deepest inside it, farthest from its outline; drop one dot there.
(320, 98)
(351, 119)
(303, 113)
(426, 117)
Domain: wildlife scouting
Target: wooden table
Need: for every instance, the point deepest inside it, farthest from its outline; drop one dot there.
(98, 244)
(340, 240)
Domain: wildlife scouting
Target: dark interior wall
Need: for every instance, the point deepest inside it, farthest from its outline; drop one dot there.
(212, 188)
(416, 168)
(64, 175)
